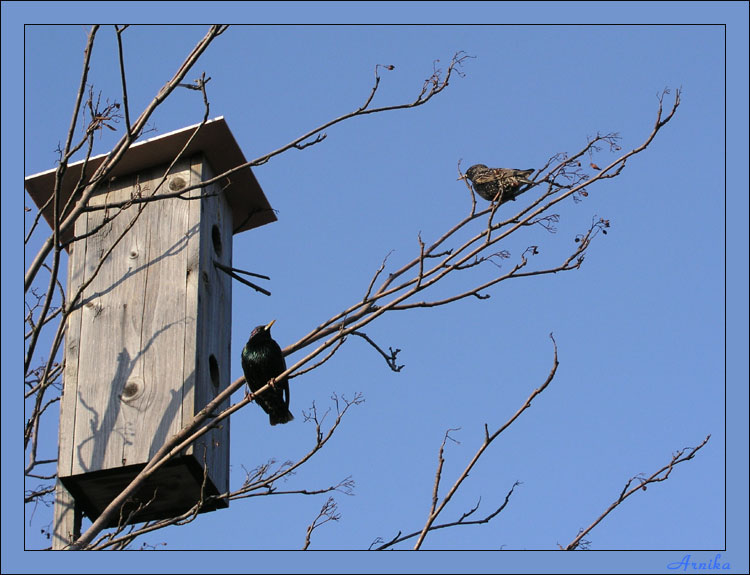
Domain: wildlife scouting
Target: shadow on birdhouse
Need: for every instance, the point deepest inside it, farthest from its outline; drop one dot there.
(148, 343)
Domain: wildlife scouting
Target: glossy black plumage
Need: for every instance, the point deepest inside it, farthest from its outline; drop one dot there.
(262, 360)
(489, 182)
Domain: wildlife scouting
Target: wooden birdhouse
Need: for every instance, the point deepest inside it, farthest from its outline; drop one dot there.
(148, 343)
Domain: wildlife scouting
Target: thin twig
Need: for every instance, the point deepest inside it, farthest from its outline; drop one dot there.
(660, 475)
(126, 108)
(262, 485)
(120, 148)
(390, 358)
(435, 512)
(232, 272)
(461, 521)
(329, 512)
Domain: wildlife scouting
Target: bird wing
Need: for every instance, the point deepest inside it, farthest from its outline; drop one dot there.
(506, 173)
(503, 172)
(278, 365)
(485, 177)
(285, 384)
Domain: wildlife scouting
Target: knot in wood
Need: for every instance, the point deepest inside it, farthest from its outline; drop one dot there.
(132, 390)
(177, 183)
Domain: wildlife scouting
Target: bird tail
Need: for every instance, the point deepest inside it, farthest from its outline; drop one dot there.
(280, 417)
(523, 176)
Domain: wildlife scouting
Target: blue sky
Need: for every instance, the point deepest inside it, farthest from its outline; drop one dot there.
(640, 327)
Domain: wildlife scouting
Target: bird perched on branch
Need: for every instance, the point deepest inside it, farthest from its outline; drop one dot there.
(262, 360)
(489, 182)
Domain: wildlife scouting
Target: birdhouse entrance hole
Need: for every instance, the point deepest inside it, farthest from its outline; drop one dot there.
(216, 238)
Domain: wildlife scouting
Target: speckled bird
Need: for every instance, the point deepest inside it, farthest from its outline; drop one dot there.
(488, 182)
(262, 360)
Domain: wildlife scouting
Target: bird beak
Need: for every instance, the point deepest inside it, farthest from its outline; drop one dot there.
(461, 178)
(269, 325)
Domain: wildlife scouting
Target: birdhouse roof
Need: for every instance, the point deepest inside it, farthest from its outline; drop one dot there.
(214, 140)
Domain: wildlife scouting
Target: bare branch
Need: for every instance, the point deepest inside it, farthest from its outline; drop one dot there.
(260, 482)
(431, 88)
(660, 475)
(375, 277)
(435, 511)
(390, 358)
(375, 86)
(461, 521)
(30, 496)
(329, 512)
(469, 253)
(561, 177)
(126, 109)
(120, 148)
(439, 471)
(185, 437)
(231, 272)
(316, 365)
(319, 138)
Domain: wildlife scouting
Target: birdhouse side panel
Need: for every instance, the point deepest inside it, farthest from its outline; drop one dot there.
(110, 331)
(218, 216)
(192, 285)
(157, 411)
(132, 318)
(68, 400)
(66, 520)
(211, 349)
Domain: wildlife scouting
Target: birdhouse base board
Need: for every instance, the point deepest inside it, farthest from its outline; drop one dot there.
(171, 491)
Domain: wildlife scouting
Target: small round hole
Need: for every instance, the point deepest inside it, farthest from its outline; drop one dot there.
(216, 237)
(213, 369)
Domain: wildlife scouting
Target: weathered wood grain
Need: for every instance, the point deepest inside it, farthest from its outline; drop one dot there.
(140, 343)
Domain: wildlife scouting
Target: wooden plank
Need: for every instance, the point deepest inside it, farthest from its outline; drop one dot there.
(67, 519)
(148, 324)
(156, 414)
(110, 334)
(213, 324)
(66, 525)
(69, 399)
(192, 284)
(216, 245)
(135, 331)
(207, 308)
(220, 458)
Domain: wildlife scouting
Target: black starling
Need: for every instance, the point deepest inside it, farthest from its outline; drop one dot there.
(488, 182)
(262, 360)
